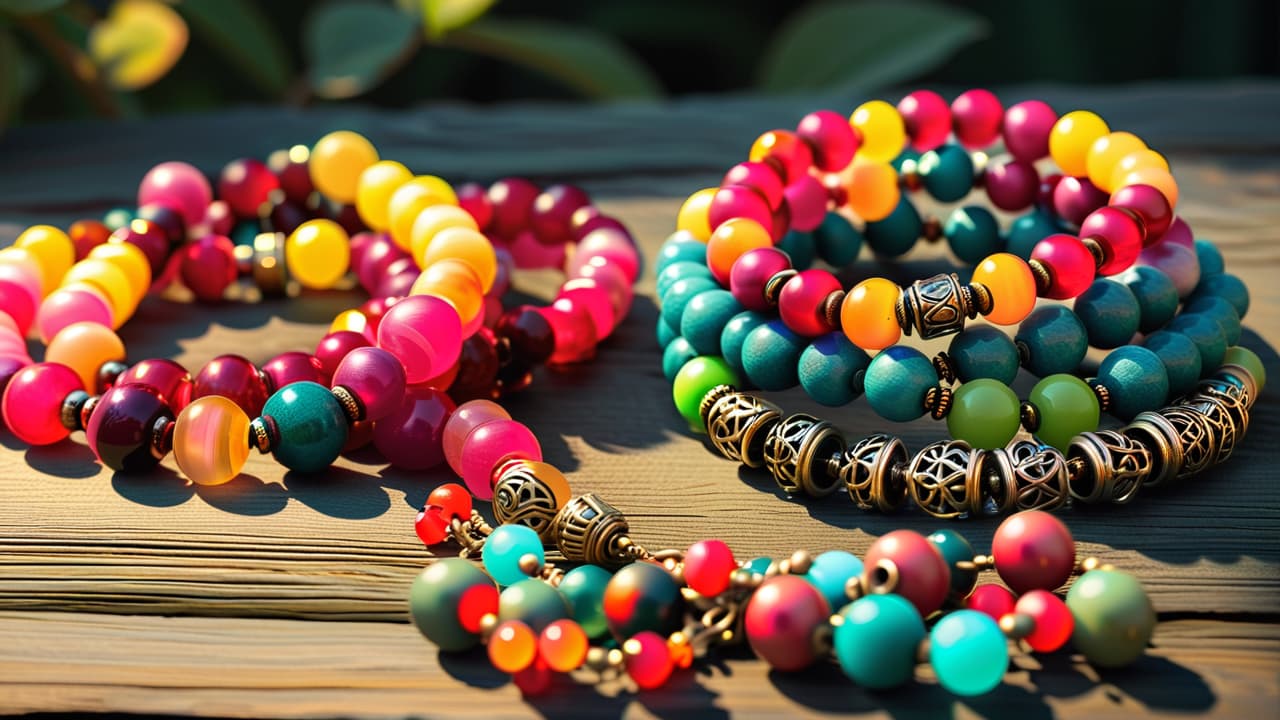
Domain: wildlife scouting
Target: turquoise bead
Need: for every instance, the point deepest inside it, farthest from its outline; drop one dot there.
(245, 232)
(1207, 334)
(1055, 340)
(1211, 262)
(897, 381)
(973, 233)
(694, 381)
(1136, 380)
(116, 218)
(435, 596)
(984, 413)
(770, 356)
(877, 642)
(946, 173)
(665, 333)
(1026, 231)
(1220, 310)
(504, 548)
(735, 334)
(583, 588)
(680, 293)
(676, 354)
(1067, 406)
(1226, 286)
(759, 565)
(968, 652)
(954, 549)
(830, 571)
(800, 247)
(1156, 295)
(897, 233)
(1109, 312)
(984, 352)
(310, 425)
(532, 602)
(704, 319)
(679, 270)
(1113, 617)
(680, 247)
(837, 240)
(831, 369)
(1181, 360)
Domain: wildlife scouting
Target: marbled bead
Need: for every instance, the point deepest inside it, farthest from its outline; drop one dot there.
(211, 440)
(972, 232)
(1109, 312)
(896, 382)
(896, 234)
(1181, 359)
(1055, 340)
(770, 356)
(1206, 333)
(734, 336)
(1136, 380)
(830, 368)
(984, 352)
(446, 601)
(1179, 262)
(705, 317)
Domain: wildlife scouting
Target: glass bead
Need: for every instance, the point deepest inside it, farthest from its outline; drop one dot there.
(111, 281)
(1226, 286)
(695, 379)
(895, 234)
(446, 601)
(923, 575)
(336, 163)
(1112, 616)
(734, 337)
(968, 652)
(1075, 198)
(694, 214)
(947, 173)
(1051, 618)
(1066, 407)
(512, 202)
(1105, 154)
(431, 222)
(604, 275)
(876, 644)
(488, 446)
(780, 620)
(680, 247)
(178, 186)
(1070, 265)
(704, 319)
(473, 198)
(830, 572)
(872, 188)
(1216, 308)
(802, 299)
(84, 347)
(741, 201)
(830, 369)
(123, 426)
(1245, 358)
(641, 596)
(599, 306)
(729, 241)
(478, 367)
(614, 245)
(994, 601)
(972, 232)
(1033, 550)
(896, 383)
(503, 550)
(770, 355)
(148, 237)
(512, 646)
(573, 329)
(310, 424)
(86, 235)
(335, 346)
(1156, 177)
(867, 314)
(648, 661)
(352, 321)
(1119, 233)
(1072, 136)
(168, 378)
(425, 335)
(462, 421)
(563, 646)
(51, 247)
(468, 246)
(1026, 129)
(551, 214)
(984, 413)
(431, 526)
(707, 567)
(208, 266)
(1109, 312)
(783, 150)
(211, 440)
(1206, 333)
(1135, 160)
(804, 207)
(1012, 185)
(832, 139)
(317, 253)
(984, 352)
(1149, 204)
(409, 200)
(583, 589)
(976, 115)
(457, 284)
(23, 267)
(926, 117)
(235, 378)
(882, 130)
(375, 377)
(64, 306)
(801, 247)
(244, 185)
(291, 167)
(532, 602)
(411, 435)
(32, 403)
(837, 240)
(1181, 359)
(749, 274)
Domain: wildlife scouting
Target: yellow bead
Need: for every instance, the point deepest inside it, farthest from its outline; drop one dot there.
(867, 314)
(469, 246)
(84, 347)
(883, 132)
(352, 320)
(1071, 138)
(52, 249)
(454, 282)
(412, 198)
(336, 163)
(872, 189)
(374, 189)
(1157, 178)
(130, 259)
(317, 253)
(1012, 287)
(111, 281)
(434, 219)
(694, 214)
(1137, 160)
(211, 440)
(733, 238)
(31, 264)
(1106, 152)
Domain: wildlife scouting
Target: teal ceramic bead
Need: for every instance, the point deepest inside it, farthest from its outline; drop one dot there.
(1026, 231)
(801, 247)
(770, 356)
(1211, 262)
(877, 642)
(583, 588)
(896, 382)
(678, 296)
(438, 592)
(735, 334)
(1206, 333)
(897, 233)
(311, 426)
(984, 413)
(692, 383)
(968, 652)
(759, 565)
(1156, 295)
(679, 270)
(704, 319)
(1218, 309)
(1247, 359)
(1113, 617)
(1055, 340)
(946, 173)
(906, 156)
(830, 571)
(973, 233)
(837, 240)
(1067, 406)
(1181, 360)
(831, 369)
(1136, 380)
(504, 548)
(676, 354)
(680, 247)
(984, 352)
(1109, 312)
(1228, 287)
(533, 603)
(665, 333)
(954, 549)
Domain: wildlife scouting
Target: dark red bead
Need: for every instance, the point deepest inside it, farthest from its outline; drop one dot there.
(1033, 550)
(1070, 264)
(218, 219)
(551, 216)
(9, 366)
(473, 199)
(477, 368)
(528, 336)
(234, 378)
(377, 256)
(1119, 233)
(167, 219)
(397, 285)
(906, 563)
(1151, 207)
(1044, 196)
(169, 379)
(373, 309)
(284, 216)
(87, 235)
(334, 347)
(245, 184)
(209, 267)
(291, 367)
(589, 218)
(129, 428)
(349, 219)
(291, 169)
(512, 202)
(150, 239)
(1074, 198)
(1012, 185)
(781, 619)
(412, 436)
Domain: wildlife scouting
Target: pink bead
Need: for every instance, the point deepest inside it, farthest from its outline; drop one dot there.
(64, 307)
(9, 367)
(758, 176)
(1012, 185)
(398, 284)
(1151, 207)
(358, 244)
(179, 186)
(512, 200)
(531, 254)
(707, 567)
(552, 213)
(927, 118)
(612, 245)
(751, 271)
(490, 445)
(25, 279)
(372, 264)
(806, 204)
(831, 138)
(335, 346)
(1074, 198)
(12, 344)
(976, 117)
(16, 301)
(1179, 233)
(411, 435)
(923, 576)
(1070, 264)
(589, 218)
(597, 302)
(469, 416)
(1179, 262)
(800, 304)
(1052, 620)
(994, 600)
(607, 275)
(1119, 233)
(1026, 130)
(32, 404)
(170, 380)
(375, 377)
(291, 367)
(424, 333)
(574, 330)
(6, 321)
(1033, 550)
(781, 619)
(738, 201)
(473, 199)
(235, 378)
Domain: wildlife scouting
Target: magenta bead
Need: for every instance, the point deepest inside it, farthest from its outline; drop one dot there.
(335, 346)
(531, 254)
(65, 307)
(800, 304)
(830, 137)
(169, 379)
(1027, 126)
(469, 416)
(32, 403)
(806, 205)
(512, 201)
(707, 567)
(1074, 198)
(490, 445)
(30, 285)
(150, 239)
(179, 186)
(1070, 264)
(411, 436)
(424, 333)
(1179, 262)
(373, 262)
(1012, 185)
(122, 428)
(739, 201)
(218, 218)
(234, 378)
(551, 216)
(358, 244)
(589, 218)
(1179, 233)
(927, 118)
(923, 576)
(209, 267)
(294, 366)
(375, 377)
(612, 245)
(12, 343)
(751, 271)
(502, 278)
(244, 185)
(1150, 205)
(605, 274)
(9, 367)
(473, 198)
(397, 285)
(758, 176)
(782, 619)
(1119, 233)
(16, 302)
(597, 303)
(574, 331)
(976, 117)
(1033, 550)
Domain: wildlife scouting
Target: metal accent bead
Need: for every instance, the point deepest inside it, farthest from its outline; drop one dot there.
(1196, 439)
(737, 425)
(1219, 411)
(269, 271)
(713, 395)
(108, 373)
(1104, 396)
(998, 481)
(795, 452)
(1246, 378)
(935, 306)
(931, 229)
(588, 529)
(866, 469)
(1029, 415)
(773, 286)
(831, 308)
(937, 400)
(262, 434)
(944, 480)
(1041, 274)
(69, 412)
(521, 497)
(1161, 437)
(1091, 244)
(351, 404)
(1039, 476)
(1113, 466)
(945, 366)
(982, 299)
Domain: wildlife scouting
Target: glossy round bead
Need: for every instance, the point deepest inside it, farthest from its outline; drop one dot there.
(783, 150)
(1072, 136)
(1135, 160)
(32, 403)
(512, 646)
(574, 330)
(973, 233)
(707, 566)
(896, 234)
(692, 383)
(648, 661)
(65, 306)
(150, 239)
(1033, 550)
(290, 166)
(734, 337)
(923, 576)
(409, 200)
(1181, 359)
(1150, 205)
(563, 646)
(800, 247)
(466, 418)
(1246, 359)
(1075, 198)
(335, 346)
(730, 241)
(976, 115)
(1156, 177)
(166, 377)
(1106, 152)
(751, 271)
(926, 118)
(802, 300)
(984, 413)
(1066, 406)
(374, 188)
(424, 333)
(830, 369)
(1218, 309)
(830, 572)
(1136, 379)
(125, 426)
(411, 435)
(877, 642)
(177, 186)
(882, 130)
(1206, 333)
(872, 188)
(86, 235)
(111, 282)
(447, 600)
(1119, 233)
(1109, 312)
(51, 247)
(352, 321)
(759, 177)
(1069, 262)
(336, 162)
(375, 377)
(1012, 185)
(1113, 617)
(1026, 129)
(310, 424)
(21, 266)
(680, 247)
(244, 184)
(984, 352)
(1011, 284)
(487, 447)
(317, 253)
(770, 356)
(947, 173)
(704, 319)
(505, 547)
(837, 240)
(641, 596)
(234, 378)
(867, 314)
(896, 383)
(955, 549)
(968, 652)
(467, 245)
(209, 267)
(1180, 233)
(211, 440)
(478, 367)
(694, 214)
(1156, 295)
(1226, 286)
(781, 619)
(551, 213)
(1051, 619)
(84, 347)
(431, 222)
(831, 138)
(995, 601)
(512, 202)
(583, 588)
(1027, 230)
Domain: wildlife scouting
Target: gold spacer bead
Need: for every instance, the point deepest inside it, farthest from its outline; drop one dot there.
(945, 366)
(982, 298)
(831, 308)
(1104, 396)
(1041, 273)
(1030, 415)
(529, 565)
(1017, 625)
(1091, 244)
(800, 561)
(938, 401)
(711, 398)
(773, 286)
(351, 405)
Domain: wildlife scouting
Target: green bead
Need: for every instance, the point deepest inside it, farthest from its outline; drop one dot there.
(1109, 312)
(1066, 407)
(532, 602)
(1156, 295)
(437, 593)
(837, 240)
(984, 352)
(1027, 231)
(1113, 617)
(984, 413)
(310, 425)
(679, 270)
(680, 247)
(1211, 262)
(897, 233)
(896, 382)
(117, 218)
(946, 173)
(676, 354)
(831, 369)
(665, 333)
(1226, 286)
(735, 336)
(1136, 380)
(955, 549)
(704, 319)
(973, 233)
(1245, 358)
(770, 356)
(1181, 360)
(877, 642)
(680, 294)
(692, 383)
(968, 652)
(1220, 310)
(1054, 338)
(800, 246)
(583, 588)
(1206, 333)
(642, 596)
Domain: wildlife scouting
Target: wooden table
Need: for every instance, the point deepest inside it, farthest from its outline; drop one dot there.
(284, 596)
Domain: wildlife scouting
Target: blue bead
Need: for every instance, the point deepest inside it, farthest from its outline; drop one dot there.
(770, 356)
(735, 335)
(984, 352)
(504, 548)
(680, 247)
(1055, 340)
(310, 424)
(1109, 312)
(877, 642)
(677, 353)
(946, 173)
(829, 572)
(973, 233)
(1181, 359)
(954, 549)
(680, 293)
(1157, 297)
(1027, 231)
(830, 369)
(800, 247)
(1226, 286)
(897, 381)
(1207, 334)
(837, 240)
(1220, 310)
(704, 319)
(897, 233)
(1136, 380)
(1211, 262)
(665, 333)
(679, 270)
(968, 652)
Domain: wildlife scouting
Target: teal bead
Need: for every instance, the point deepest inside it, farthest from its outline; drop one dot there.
(245, 232)
(665, 333)
(642, 596)
(1211, 262)
(877, 642)
(694, 381)
(897, 233)
(1247, 359)
(679, 270)
(1136, 380)
(116, 218)
(504, 548)
(1156, 295)
(1226, 286)
(583, 588)
(906, 156)
(770, 356)
(896, 382)
(831, 369)
(759, 565)
(968, 652)
(984, 352)
(680, 247)
(1181, 360)
(437, 593)
(534, 603)
(946, 173)
(1220, 310)
(800, 246)
(1026, 231)
(837, 240)
(1113, 617)
(973, 233)
(1066, 406)
(830, 571)
(735, 334)
(1206, 333)
(704, 319)
(1055, 340)
(676, 354)
(310, 425)
(678, 296)
(1109, 312)
(955, 549)
(984, 413)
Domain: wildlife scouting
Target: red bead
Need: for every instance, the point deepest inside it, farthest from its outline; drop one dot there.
(218, 219)
(359, 434)
(244, 185)
(1044, 197)
(412, 435)
(800, 304)
(588, 218)
(18, 304)
(431, 526)
(751, 271)
(87, 235)
(32, 404)
(234, 378)
(739, 201)
(1012, 185)
(335, 346)
(1027, 126)
(209, 267)
(551, 216)
(976, 117)
(758, 176)
(573, 329)
(1119, 233)
(780, 621)
(167, 219)
(832, 140)
(528, 334)
(534, 680)
(927, 119)
(122, 430)
(1052, 618)
(601, 273)
(166, 377)
(477, 601)
(1151, 207)
(785, 151)
(473, 198)
(294, 366)
(647, 659)
(595, 300)
(1033, 550)
(149, 238)
(1069, 262)
(1074, 198)
(291, 169)
(478, 367)
(452, 499)
(994, 600)
(922, 574)
(707, 566)
(512, 201)
(805, 203)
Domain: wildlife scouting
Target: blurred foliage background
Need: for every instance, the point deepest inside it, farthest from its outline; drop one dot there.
(79, 58)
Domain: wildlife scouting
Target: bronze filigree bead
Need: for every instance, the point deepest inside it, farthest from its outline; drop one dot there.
(796, 452)
(935, 306)
(588, 529)
(737, 425)
(867, 471)
(1196, 439)
(1039, 476)
(1160, 437)
(531, 494)
(1112, 467)
(945, 480)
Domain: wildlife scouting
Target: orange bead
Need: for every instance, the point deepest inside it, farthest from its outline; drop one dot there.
(512, 646)
(1106, 152)
(867, 314)
(872, 188)
(468, 245)
(1134, 161)
(84, 347)
(431, 221)
(733, 238)
(456, 283)
(694, 215)
(1012, 286)
(130, 259)
(563, 645)
(352, 320)
(1157, 178)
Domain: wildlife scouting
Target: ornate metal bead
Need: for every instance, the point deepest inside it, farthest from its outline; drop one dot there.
(270, 273)
(945, 479)
(935, 306)
(530, 494)
(1195, 439)
(588, 529)
(866, 469)
(1112, 466)
(997, 481)
(1160, 437)
(1248, 383)
(1040, 476)
(1226, 407)
(737, 425)
(796, 451)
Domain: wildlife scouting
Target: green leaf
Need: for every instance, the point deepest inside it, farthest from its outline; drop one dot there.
(352, 46)
(865, 45)
(595, 65)
(441, 17)
(11, 72)
(239, 31)
(29, 7)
